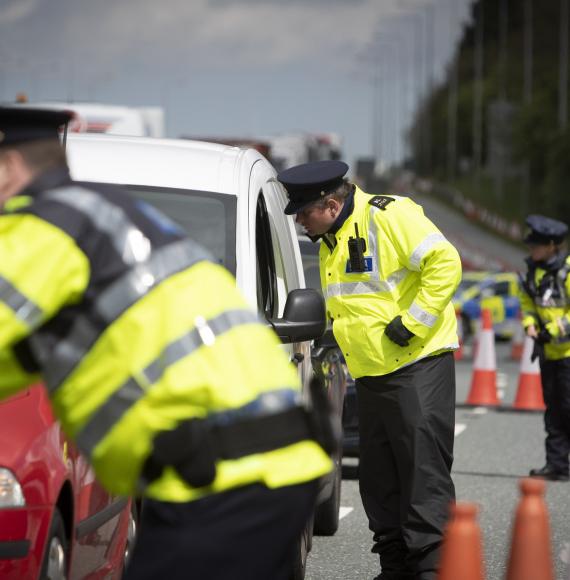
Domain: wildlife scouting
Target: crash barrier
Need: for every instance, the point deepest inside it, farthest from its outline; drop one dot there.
(529, 392)
(461, 552)
(483, 391)
(530, 555)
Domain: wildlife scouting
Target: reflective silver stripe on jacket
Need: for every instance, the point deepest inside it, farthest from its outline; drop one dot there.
(131, 244)
(136, 283)
(111, 411)
(25, 309)
(59, 362)
(551, 302)
(424, 247)
(373, 244)
(363, 288)
(421, 315)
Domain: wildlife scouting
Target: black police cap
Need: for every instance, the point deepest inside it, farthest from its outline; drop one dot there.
(544, 230)
(309, 182)
(23, 124)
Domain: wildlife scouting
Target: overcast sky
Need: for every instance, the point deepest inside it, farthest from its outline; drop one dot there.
(233, 67)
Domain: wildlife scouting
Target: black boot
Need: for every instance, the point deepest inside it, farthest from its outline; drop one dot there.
(549, 473)
(393, 558)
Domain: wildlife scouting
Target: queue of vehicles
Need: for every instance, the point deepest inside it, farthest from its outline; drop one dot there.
(227, 198)
(60, 522)
(55, 519)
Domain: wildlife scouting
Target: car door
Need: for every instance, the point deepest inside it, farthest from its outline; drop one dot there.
(278, 263)
(100, 524)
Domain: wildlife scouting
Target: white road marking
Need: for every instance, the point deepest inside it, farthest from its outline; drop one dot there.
(502, 380)
(344, 511)
(459, 428)
(480, 411)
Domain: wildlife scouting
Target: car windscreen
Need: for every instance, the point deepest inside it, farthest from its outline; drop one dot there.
(207, 218)
(466, 284)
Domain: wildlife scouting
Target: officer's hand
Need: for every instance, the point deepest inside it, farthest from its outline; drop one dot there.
(531, 331)
(537, 349)
(543, 336)
(397, 332)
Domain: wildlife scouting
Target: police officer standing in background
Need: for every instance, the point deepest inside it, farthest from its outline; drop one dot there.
(388, 275)
(148, 369)
(545, 302)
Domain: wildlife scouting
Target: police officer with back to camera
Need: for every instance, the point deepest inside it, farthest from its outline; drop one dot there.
(545, 302)
(149, 371)
(388, 275)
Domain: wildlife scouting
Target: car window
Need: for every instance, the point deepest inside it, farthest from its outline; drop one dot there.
(267, 302)
(280, 274)
(465, 284)
(206, 217)
(502, 288)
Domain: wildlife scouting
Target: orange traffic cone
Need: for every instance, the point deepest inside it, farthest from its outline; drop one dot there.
(461, 553)
(458, 354)
(517, 343)
(484, 380)
(529, 392)
(478, 324)
(530, 557)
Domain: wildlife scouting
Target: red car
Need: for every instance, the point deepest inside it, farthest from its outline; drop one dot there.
(56, 521)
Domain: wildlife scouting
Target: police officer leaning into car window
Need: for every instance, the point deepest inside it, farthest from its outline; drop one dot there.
(149, 370)
(388, 275)
(545, 302)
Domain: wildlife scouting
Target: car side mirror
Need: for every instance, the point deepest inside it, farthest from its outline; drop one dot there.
(304, 316)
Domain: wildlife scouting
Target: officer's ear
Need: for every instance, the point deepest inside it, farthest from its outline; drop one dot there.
(334, 205)
(14, 173)
(13, 161)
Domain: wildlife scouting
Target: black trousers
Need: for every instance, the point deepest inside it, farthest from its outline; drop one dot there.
(407, 421)
(249, 533)
(555, 375)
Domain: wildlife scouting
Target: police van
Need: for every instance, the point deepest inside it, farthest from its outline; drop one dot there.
(228, 200)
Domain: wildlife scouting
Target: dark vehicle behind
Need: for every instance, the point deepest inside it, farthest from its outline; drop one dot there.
(310, 256)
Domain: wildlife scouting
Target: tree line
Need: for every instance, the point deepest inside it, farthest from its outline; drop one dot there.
(497, 127)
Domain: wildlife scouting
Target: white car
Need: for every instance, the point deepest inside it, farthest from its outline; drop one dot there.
(227, 199)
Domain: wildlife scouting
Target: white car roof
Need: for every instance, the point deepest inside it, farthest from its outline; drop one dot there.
(175, 163)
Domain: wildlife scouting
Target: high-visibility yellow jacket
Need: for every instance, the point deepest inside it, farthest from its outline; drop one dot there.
(411, 270)
(133, 330)
(545, 303)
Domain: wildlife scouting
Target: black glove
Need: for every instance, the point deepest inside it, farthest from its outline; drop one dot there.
(397, 332)
(543, 336)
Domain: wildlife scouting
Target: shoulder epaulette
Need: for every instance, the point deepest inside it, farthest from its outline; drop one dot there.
(381, 201)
